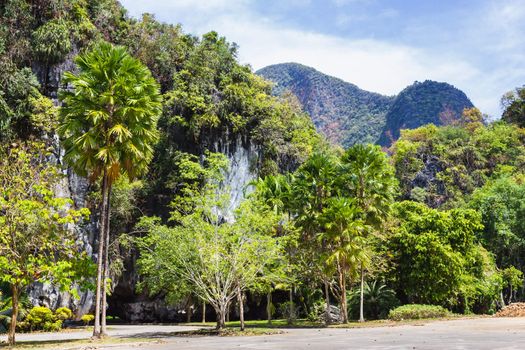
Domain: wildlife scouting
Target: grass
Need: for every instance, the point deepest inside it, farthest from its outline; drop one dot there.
(279, 323)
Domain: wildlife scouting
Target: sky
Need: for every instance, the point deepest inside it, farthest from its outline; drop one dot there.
(379, 45)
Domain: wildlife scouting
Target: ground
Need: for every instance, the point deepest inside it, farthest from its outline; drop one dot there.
(473, 333)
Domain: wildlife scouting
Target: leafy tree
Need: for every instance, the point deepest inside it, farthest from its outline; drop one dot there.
(36, 243)
(513, 103)
(217, 260)
(435, 258)
(513, 279)
(108, 126)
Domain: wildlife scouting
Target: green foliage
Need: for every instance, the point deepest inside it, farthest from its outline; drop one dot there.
(330, 102)
(417, 311)
(434, 258)
(450, 162)
(378, 300)
(63, 313)
(423, 103)
(514, 104)
(108, 121)
(215, 259)
(41, 318)
(87, 319)
(500, 203)
(51, 41)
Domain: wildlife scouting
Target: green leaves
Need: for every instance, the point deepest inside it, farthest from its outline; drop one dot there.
(108, 120)
(35, 241)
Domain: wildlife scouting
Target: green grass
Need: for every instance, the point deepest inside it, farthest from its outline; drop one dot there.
(280, 323)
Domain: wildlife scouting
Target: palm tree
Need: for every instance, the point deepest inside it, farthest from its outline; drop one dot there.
(344, 231)
(378, 298)
(312, 188)
(108, 127)
(369, 178)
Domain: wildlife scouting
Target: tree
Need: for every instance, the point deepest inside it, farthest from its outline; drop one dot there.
(313, 187)
(369, 178)
(108, 126)
(344, 230)
(36, 242)
(513, 103)
(435, 258)
(218, 261)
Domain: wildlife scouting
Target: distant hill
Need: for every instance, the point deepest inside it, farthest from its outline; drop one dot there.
(423, 103)
(346, 114)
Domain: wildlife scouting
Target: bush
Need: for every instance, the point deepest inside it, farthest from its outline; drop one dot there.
(63, 313)
(417, 311)
(41, 318)
(87, 319)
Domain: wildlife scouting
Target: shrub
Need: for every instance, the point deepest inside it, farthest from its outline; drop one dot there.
(417, 311)
(87, 319)
(63, 313)
(51, 42)
(41, 318)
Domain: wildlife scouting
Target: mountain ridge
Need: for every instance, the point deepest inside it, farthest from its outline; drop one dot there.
(347, 114)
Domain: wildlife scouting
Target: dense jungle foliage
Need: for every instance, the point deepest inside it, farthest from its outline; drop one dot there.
(435, 220)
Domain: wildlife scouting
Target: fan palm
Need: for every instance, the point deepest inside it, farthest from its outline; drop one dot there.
(108, 127)
(368, 177)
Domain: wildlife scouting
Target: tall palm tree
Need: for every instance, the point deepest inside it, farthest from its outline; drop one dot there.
(108, 127)
(369, 178)
(344, 230)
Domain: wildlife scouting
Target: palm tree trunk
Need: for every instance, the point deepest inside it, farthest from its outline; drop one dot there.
(101, 239)
(327, 300)
(204, 312)
(14, 315)
(361, 299)
(241, 307)
(269, 307)
(105, 283)
(291, 310)
(344, 304)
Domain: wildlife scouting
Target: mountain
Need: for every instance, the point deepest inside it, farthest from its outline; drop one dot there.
(423, 103)
(346, 114)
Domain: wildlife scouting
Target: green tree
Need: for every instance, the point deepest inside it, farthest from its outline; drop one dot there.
(217, 260)
(108, 126)
(368, 177)
(35, 241)
(513, 103)
(434, 258)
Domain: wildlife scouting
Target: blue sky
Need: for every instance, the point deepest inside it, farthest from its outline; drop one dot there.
(379, 45)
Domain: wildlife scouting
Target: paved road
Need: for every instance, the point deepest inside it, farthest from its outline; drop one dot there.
(484, 333)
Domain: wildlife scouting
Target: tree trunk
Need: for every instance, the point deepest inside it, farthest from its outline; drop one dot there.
(361, 299)
(342, 286)
(221, 316)
(100, 262)
(105, 283)
(188, 310)
(241, 307)
(203, 312)
(327, 300)
(291, 310)
(269, 307)
(14, 315)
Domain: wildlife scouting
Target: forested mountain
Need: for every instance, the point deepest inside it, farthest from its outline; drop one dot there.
(347, 115)
(344, 113)
(423, 103)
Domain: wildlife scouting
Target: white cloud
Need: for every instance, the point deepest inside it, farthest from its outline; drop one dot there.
(375, 65)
